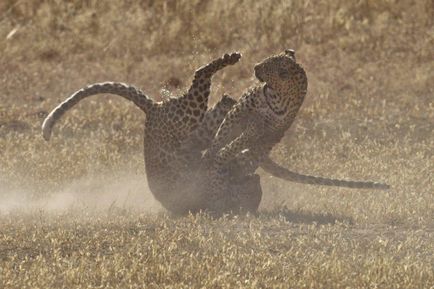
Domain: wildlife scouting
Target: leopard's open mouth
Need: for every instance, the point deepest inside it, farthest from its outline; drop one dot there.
(267, 89)
(266, 86)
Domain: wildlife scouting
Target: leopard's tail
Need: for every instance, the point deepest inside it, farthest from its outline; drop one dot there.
(127, 91)
(276, 170)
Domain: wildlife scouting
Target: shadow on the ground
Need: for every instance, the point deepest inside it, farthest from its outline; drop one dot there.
(302, 217)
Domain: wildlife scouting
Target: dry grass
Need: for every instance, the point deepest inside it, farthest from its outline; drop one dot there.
(76, 212)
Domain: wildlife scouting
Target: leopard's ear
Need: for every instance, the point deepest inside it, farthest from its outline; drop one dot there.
(290, 53)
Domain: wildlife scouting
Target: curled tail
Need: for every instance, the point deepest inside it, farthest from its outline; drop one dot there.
(278, 171)
(127, 91)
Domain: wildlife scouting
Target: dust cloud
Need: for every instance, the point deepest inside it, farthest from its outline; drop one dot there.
(90, 193)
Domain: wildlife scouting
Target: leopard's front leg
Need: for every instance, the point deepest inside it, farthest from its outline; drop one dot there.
(253, 132)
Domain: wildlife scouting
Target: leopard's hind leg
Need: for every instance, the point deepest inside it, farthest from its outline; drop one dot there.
(229, 195)
(195, 101)
(248, 193)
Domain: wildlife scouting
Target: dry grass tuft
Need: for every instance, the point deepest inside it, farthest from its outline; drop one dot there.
(76, 212)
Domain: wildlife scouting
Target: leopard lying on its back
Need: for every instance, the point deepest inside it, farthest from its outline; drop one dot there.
(254, 125)
(174, 169)
(170, 171)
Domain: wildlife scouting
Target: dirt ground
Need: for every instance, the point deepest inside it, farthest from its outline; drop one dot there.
(77, 212)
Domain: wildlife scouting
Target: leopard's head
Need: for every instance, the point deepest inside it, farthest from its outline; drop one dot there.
(282, 73)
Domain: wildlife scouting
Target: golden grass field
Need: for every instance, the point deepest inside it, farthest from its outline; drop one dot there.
(76, 212)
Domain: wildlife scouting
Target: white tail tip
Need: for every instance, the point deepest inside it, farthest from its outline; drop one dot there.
(46, 128)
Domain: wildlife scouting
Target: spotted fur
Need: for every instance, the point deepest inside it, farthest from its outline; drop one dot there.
(170, 168)
(254, 125)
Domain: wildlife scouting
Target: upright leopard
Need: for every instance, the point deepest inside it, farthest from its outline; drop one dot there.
(254, 125)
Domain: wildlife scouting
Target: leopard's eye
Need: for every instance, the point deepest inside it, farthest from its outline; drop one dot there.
(283, 73)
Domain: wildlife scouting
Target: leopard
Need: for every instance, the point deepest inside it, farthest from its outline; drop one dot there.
(253, 126)
(172, 170)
